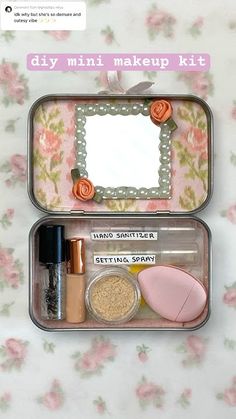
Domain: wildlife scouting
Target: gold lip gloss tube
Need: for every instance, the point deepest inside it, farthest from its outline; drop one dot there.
(75, 281)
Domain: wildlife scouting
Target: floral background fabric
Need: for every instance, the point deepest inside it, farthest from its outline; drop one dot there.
(140, 374)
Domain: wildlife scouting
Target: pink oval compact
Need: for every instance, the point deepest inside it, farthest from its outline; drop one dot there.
(173, 293)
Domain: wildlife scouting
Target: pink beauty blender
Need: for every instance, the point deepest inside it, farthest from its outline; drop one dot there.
(173, 293)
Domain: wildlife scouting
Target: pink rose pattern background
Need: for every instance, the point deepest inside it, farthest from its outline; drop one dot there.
(54, 398)
(194, 350)
(94, 359)
(15, 170)
(148, 393)
(143, 352)
(229, 394)
(185, 398)
(7, 217)
(118, 374)
(11, 269)
(13, 353)
(5, 401)
(14, 86)
(100, 406)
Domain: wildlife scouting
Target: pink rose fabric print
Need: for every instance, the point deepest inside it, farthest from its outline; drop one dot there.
(13, 85)
(93, 361)
(48, 158)
(11, 270)
(233, 111)
(230, 213)
(229, 297)
(100, 406)
(196, 28)
(54, 398)
(108, 35)
(15, 169)
(201, 84)
(13, 354)
(228, 396)
(191, 148)
(7, 217)
(5, 401)
(59, 35)
(143, 351)
(154, 205)
(159, 22)
(149, 393)
(185, 398)
(194, 350)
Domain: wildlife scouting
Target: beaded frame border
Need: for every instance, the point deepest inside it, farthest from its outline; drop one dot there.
(163, 191)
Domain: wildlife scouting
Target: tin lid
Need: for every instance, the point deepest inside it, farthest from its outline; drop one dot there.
(128, 170)
(75, 254)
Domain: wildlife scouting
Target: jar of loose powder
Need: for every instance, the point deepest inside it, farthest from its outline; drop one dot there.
(113, 296)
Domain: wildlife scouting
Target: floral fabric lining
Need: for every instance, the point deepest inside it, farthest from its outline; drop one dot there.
(54, 157)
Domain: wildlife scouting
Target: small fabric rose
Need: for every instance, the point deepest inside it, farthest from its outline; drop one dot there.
(83, 189)
(160, 111)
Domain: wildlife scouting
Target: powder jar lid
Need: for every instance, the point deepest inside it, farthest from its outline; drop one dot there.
(113, 296)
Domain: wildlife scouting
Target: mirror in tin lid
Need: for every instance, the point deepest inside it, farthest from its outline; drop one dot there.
(122, 152)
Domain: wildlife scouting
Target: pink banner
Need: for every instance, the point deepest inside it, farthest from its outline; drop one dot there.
(116, 62)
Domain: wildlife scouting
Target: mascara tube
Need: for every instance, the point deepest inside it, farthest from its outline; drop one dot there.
(52, 260)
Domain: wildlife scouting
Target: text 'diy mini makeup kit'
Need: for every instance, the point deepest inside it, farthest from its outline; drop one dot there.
(120, 179)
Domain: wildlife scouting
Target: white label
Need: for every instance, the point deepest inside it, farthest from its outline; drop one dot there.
(125, 259)
(43, 15)
(124, 235)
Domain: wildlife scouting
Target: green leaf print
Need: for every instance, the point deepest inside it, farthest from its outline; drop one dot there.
(44, 173)
(193, 164)
(121, 205)
(233, 158)
(188, 199)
